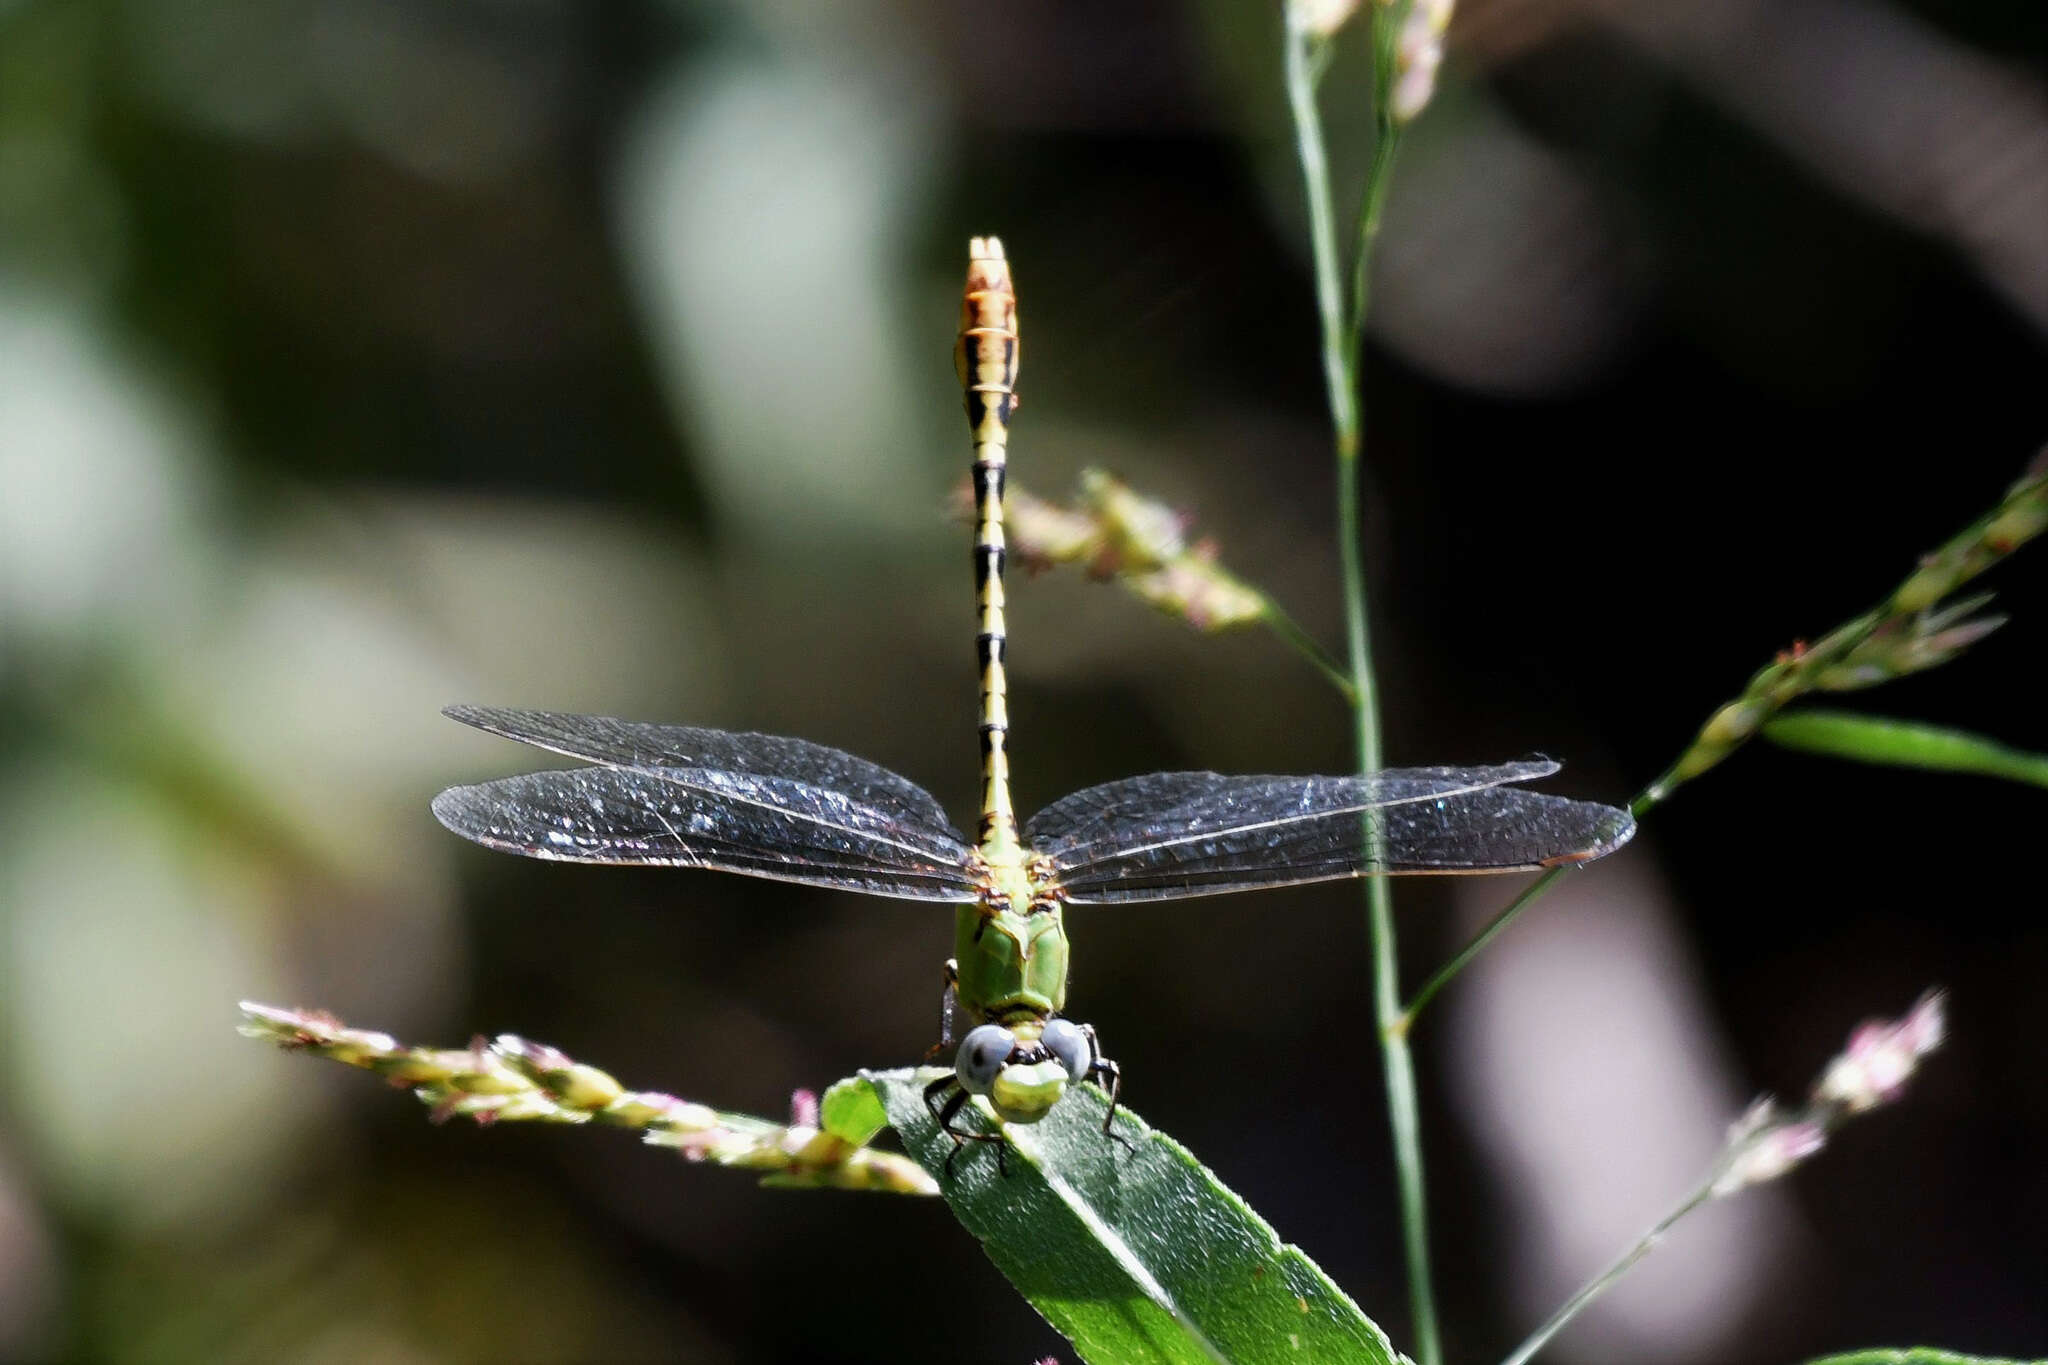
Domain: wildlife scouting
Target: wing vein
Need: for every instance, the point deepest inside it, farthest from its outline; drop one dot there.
(1222, 831)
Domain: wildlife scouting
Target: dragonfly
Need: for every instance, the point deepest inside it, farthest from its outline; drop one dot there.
(788, 809)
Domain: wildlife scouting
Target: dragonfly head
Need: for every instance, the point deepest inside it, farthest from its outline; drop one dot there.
(1023, 1078)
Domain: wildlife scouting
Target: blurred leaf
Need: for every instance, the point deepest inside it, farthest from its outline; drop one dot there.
(1135, 1253)
(1906, 744)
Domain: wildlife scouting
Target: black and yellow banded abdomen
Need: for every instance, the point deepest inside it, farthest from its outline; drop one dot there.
(986, 357)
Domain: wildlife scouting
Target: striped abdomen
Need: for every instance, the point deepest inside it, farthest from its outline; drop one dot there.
(987, 361)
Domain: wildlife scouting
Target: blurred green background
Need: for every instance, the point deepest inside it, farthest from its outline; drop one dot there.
(361, 357)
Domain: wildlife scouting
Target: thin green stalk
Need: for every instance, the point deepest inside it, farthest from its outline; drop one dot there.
(1464, 955)
(1322, 232)
(1645, 800)
(1377, 178)
(1768, 1141)
(1387, 23)
(1290, 630)
(1341, 375)
(1398, 1060)
(1600, 1283)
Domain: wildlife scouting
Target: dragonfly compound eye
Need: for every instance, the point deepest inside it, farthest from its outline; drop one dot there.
(1068, 1042)
(982, 1054)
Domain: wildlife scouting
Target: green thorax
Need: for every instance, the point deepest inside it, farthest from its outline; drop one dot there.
(1011, 949)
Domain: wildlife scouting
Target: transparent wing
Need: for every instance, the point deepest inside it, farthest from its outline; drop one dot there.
(638, 744)
(1114, 812)
(759, 825)
(1173, 835)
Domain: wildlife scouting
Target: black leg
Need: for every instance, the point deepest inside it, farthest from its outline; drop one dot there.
(931, 1095)
(953, 1104)
(949, 1011)
(1111, 1077)
(1112, 1080)
(945, 1114)
(961, 1136)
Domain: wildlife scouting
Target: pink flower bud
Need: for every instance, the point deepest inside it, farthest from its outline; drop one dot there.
(1763, 1145)
(1882, 1056)
(1418, 53)
(1322, 17)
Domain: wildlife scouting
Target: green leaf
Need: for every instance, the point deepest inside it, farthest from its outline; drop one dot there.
(1907, 744)
(852, 1111)
(1914, 1355)
(1135, 1253)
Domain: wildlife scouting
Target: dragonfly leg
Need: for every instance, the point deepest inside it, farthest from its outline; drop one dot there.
(945, 1115)
(931, 1095)
(1110, 1077)
(949, 1013)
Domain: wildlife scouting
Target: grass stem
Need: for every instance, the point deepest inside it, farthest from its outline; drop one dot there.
(1305, 54)
(1290, 630)
(1600, 1283)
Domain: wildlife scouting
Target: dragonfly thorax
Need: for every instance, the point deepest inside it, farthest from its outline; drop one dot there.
(1010, 878)
(1010, 963)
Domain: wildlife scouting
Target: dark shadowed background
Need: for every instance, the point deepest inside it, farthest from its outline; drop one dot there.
(358, 358)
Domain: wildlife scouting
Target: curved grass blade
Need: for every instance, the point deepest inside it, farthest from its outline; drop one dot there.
(1135, 1253)
(1905, 744)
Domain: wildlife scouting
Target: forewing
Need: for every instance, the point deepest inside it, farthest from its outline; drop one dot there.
(639, 744)
(1174, 835)
(759, 825)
